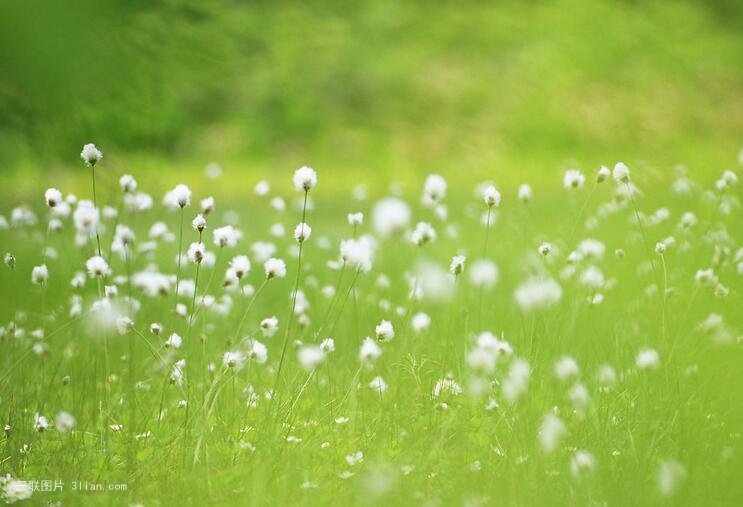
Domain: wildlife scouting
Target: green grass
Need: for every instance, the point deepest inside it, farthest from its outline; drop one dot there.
(219, 451)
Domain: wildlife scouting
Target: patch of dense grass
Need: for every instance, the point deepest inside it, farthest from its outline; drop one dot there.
(540, 385)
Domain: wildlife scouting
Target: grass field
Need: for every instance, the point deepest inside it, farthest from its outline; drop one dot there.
(564, 337)
(584, 354)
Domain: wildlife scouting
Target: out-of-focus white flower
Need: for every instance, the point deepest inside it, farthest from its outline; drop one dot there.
(457, 264)
(422, 234)
(491, 196)
(355, 219)
(226, 236)
(390, 215)
(128, 184)
(536, 293)
(53, 197)
(384, 331)
(525, 193)
(573, 178)
(647, 359)
(39, 274)
(621, 173)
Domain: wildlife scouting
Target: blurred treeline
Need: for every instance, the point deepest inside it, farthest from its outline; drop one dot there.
(391, 80)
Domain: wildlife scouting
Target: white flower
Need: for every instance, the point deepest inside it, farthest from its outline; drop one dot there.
(355, 458)
(660, 248)
(390, 215)
(275, 268)
(64, 422)
(434, 189)
(310, 357)
(207, 205)
(13, 490)
(173, 341)
(53, 197)
(226, 236)
(457, 264)
(269, 326)
(358, 253)
(241, 265)
(423, 233)
(378, 384)
(566, 368)
(302, 232)
(196, 252)
(621, 173)
(603, 174)
(124, 325)
(647, 359)
(517, 380)
(327, 345)
(581, 463)
(39, 275)
(179, 197)
(355, 218)
(262, 188)
(525, 193)
(491, 196)
(420, 322)
(536, 293)
(483, 274)
(446, 386)
(545, 248)
(156, 328)
(40, 423)
(384, 331)
(233, 359)
(670, 474)
(97, 266)
(369, 351)
(551, 432)
(257, 352)
(91, 155)
(128, 184)
(573, 178)
(606, 377)
(199, 222)
(305, 178)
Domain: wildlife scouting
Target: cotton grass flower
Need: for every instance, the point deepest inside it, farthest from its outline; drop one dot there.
(53, 197)
(384, 331)
(39, 275)
(369, 351)
(390, 215)
(456, 266)
(538, 293)
(603, 174)
(379, 385)
(647, 359)
(582, 463)
(305, 179)
(551, 433)
(14, 490)
(483, 274)
(434, 189)
(97, 267)
(621, 173)
(355, 219)
(525, 193)
(302, 232)
(491, 196)
(91, 155)
(64, 422)
(422, 234)
(199, 223)
(573, 178)
(274, 268)
(671, 474)
(226, 236)
(196, 252)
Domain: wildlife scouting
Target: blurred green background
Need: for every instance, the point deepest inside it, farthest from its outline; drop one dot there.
(492, 89)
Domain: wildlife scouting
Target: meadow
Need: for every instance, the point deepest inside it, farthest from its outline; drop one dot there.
(510, 275)
(575, 342)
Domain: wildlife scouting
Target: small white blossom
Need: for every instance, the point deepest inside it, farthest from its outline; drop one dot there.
(91, 155)
(305, 178)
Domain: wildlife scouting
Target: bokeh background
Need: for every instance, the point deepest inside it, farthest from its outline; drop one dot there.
(386, 89)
